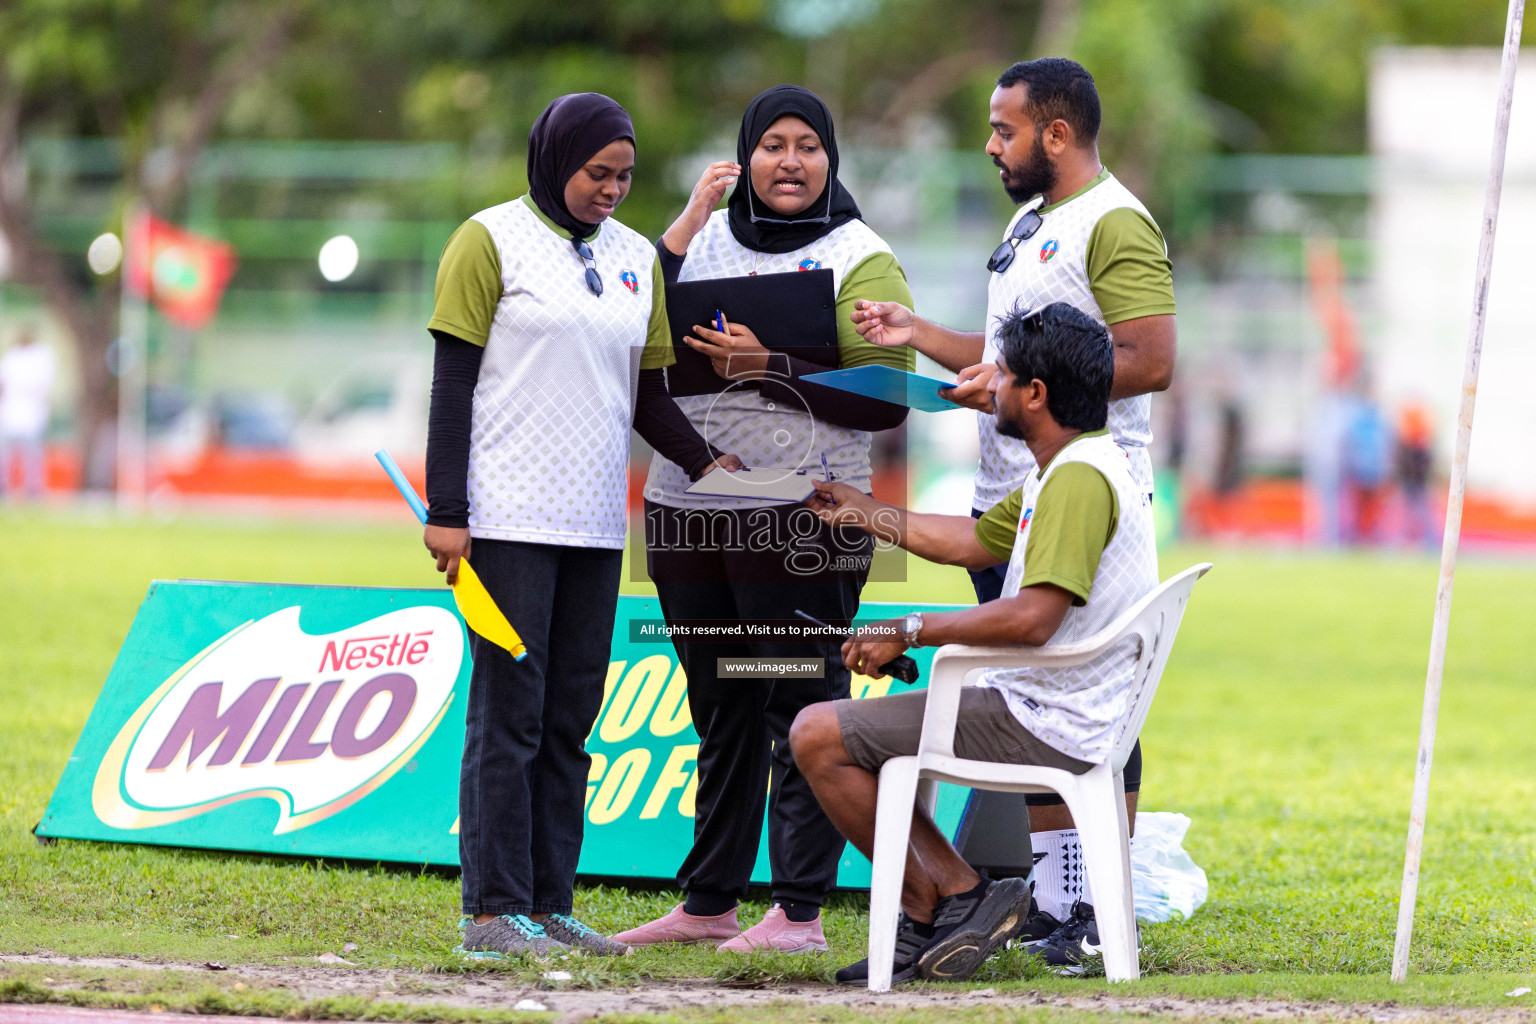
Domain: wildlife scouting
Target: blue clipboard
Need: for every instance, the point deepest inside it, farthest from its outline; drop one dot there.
(889, 384)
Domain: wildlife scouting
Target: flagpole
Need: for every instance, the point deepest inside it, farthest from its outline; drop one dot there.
(1452, 536)
(132, 376)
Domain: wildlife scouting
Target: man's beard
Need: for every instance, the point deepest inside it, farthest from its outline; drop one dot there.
(1006, 426)
(1036, 177)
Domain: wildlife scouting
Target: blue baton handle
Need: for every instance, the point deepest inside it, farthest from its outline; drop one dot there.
(401, 484)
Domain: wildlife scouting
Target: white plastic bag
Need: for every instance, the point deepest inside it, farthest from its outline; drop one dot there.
(1164, 879)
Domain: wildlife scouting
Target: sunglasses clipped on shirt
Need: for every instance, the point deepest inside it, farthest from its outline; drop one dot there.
(594, 279)
(826, 218)
(1023, 228)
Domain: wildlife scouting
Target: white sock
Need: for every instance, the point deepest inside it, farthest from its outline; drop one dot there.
(1060, 879)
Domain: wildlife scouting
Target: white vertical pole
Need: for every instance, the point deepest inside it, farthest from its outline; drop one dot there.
(1458, 491)
(132, 381)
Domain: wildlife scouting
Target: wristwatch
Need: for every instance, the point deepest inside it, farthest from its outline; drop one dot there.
(911, 626)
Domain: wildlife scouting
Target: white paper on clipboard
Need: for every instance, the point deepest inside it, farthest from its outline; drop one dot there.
(761, 484)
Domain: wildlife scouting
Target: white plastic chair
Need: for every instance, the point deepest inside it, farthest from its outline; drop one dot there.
(1096, 798)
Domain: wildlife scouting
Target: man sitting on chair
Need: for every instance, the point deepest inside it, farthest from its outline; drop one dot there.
(1079, 545)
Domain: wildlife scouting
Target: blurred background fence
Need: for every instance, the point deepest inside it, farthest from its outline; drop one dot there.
(1316, 178)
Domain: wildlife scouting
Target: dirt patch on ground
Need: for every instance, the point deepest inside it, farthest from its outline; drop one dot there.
(570, 1005)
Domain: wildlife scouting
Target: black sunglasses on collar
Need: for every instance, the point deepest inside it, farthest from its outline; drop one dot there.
(594, 279)
(826, 218)
(1023, 228)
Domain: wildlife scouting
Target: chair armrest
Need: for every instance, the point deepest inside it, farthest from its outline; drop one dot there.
(953, 662)
(967, 658)
(1048, 656)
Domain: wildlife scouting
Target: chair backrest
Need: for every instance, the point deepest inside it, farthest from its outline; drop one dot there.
(1155, 620)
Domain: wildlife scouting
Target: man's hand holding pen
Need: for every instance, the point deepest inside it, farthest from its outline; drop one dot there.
(838, 504)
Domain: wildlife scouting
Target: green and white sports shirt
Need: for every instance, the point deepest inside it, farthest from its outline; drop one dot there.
(1095, 542)
(778, 434)
(1099, 250)
(549, 438)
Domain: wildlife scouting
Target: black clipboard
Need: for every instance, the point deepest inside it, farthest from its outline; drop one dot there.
(795, 313)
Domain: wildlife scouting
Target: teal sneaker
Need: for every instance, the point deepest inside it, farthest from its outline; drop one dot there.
(509, 935)
(565, 928)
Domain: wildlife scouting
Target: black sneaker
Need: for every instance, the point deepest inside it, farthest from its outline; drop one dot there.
(1038, 925)
(969, 928)
(1069, 948)
(909, 946)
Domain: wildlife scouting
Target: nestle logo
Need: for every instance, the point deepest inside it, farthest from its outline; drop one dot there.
(357, 652)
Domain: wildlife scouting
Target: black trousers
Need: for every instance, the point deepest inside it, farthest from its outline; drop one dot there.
(756, 564)
(988, 584)
(523, 780)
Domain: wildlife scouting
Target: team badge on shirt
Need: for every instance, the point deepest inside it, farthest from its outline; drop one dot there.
(1048, 251)
(810, 264)
(630, 281)
(1029, 514)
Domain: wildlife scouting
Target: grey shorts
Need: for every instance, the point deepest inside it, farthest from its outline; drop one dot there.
(876, 729)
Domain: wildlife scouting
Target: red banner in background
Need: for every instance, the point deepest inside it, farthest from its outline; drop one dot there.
(182, 273)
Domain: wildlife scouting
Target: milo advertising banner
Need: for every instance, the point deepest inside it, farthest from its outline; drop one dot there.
(328, 721)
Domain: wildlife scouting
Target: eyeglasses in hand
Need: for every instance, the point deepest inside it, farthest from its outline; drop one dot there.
(594, 279)
(1023, 228)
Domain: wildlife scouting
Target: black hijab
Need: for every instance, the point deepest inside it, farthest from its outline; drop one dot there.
(827, 212)
(570, 132)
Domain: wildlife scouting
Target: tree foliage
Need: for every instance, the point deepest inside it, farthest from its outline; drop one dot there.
(1179, 78)
(158, 75)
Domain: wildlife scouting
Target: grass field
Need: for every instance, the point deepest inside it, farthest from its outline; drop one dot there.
(1286, 728)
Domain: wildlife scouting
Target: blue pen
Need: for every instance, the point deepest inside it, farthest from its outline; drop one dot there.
(826, 473)
(719, 321)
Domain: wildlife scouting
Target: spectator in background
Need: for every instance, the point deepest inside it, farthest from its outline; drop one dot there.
(26, 379)
(1412, 464)
(1324, 466)
(1367, 467)
(1229, 452)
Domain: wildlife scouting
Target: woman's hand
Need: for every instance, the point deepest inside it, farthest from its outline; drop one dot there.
(735, 353)
(883, 323)
(972, 387)
(717, 177)
(448, 544)
(729, 463)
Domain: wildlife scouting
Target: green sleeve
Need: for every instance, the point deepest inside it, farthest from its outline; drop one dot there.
(999, 524)
(658, 336)
(877, 278)
(1076, 514)
(1128, 268)
(468, 285)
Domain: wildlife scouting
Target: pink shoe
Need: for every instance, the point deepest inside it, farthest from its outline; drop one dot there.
(678, 926)
(777, 931)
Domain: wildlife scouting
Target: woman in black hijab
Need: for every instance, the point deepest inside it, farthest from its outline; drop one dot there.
(538, 480)
(763, 561)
